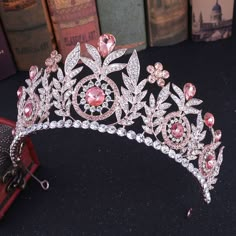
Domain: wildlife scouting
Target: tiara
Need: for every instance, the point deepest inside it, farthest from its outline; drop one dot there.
(167, 121)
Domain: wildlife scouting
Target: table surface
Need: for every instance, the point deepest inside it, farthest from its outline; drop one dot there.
(105, 185)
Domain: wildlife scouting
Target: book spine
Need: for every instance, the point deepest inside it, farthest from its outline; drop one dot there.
(6, 61)
(167, 21)
(74, 21)
(125, 20)
(28, 31)
(211, 20)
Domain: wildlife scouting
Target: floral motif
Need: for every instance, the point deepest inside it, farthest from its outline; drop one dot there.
(51, 62)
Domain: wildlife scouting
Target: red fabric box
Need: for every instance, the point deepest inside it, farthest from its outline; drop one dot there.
(29, 159)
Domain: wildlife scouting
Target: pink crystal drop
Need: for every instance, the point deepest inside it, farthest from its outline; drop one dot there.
(189, 91)
(161, 82)
(33, 71)
(28, 109)
(106, 44)
(19, 92)
(218, 135)
(177, 130)
(13, 132)
(210, 162)
(209, 119)
(95, 96)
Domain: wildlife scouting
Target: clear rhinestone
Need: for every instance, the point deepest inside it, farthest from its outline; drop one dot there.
(77, 124)
(68, 123)
(82, 94)
(108, 98)
(53, 125)
(102, 128)
(148, 141)
(171, 153)
(85, 88)
(99, 109)
(85, 124)
(184, 162)
(121, 132)
(139, 138)
(45, 125)
(39, 126)
(60, 124)
(97, 83)
(111, 129)
(105, 104)
(90, 84)
(108, 91)
(94, 125)
(82, 101)
(92, 109)
(178, 158)
(131, 134)
(165, 149)
(157, 145)
(86, 106)
(104, 86)
(190, 167)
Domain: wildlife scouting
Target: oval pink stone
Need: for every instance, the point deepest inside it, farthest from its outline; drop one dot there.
(210, 162)
(95, 96)
(209, 119)
(19, 92)
(189, 91)
(33, 71)
(28, 109)
(177, 130)
(106, 44)
(218, 135)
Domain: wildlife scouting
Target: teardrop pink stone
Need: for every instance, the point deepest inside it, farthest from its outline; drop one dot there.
(19, 92)
(189, 91)
(28, 109)
(106, 44)
(33, 71)
(209, 119)
(218, 135)
(210, 162)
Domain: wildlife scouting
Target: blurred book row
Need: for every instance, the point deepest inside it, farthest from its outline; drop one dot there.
(30, 29)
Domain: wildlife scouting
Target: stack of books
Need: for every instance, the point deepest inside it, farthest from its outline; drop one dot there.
(33, 28)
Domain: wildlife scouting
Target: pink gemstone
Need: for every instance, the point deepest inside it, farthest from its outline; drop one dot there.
(151, 79)
(150, 69)
(19, 92)
(49, 62)
(95, 96)
(218, 135)
(33, 71)
(13, 132)
(161, 82)
(106, 44)
(189, 91)
(158, 66)
(210, 162)
(209, 119)
(177, 130)
(165, 74)
(53, 53)
(28, 109)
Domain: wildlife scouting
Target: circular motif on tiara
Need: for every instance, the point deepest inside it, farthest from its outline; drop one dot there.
(95, 99)
(207, 161)
(30, 110)
(176, 130)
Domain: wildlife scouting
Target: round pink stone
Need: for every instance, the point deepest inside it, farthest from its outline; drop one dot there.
(218, 135)
(28, 109)
(106, 44)
(210, 162)
(209, 119)
(95, 96)
(177, 130)
(19, 92)
(189, 91)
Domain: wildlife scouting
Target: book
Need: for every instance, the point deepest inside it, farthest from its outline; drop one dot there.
(211, 19)
(28, 31)
(125, 20)
(74, 21)
(6, 61)
(167, 21)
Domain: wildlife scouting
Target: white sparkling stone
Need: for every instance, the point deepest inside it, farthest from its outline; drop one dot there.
(90, 84)
(45, 125)
(102, 128)
(190, 167)
(165, 149)
(77, 124)
(105, 104)
(139, 138)
(60, 124)
(184, 162)
(171, 153)
(85, 124)
(148, 141)
(86, 106)
(94, 125)
(53, 125)
(157, 145)
(68, 123)
(104, 86)
(178, 158)
(82, 94)
(99, 109)
(111, 129)
(82, 101)
(39, 126)
(131, 134)
(92, 109)
(97, 83)
(121, 132)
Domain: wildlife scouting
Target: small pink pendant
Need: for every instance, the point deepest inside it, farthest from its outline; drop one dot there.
(209, 119)
(106, 44)
(210, 162)
(218, 135)
(189, 91)
(19, 92)
(33, 71)
(95, 96)
(177, 130)
(28, 109)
